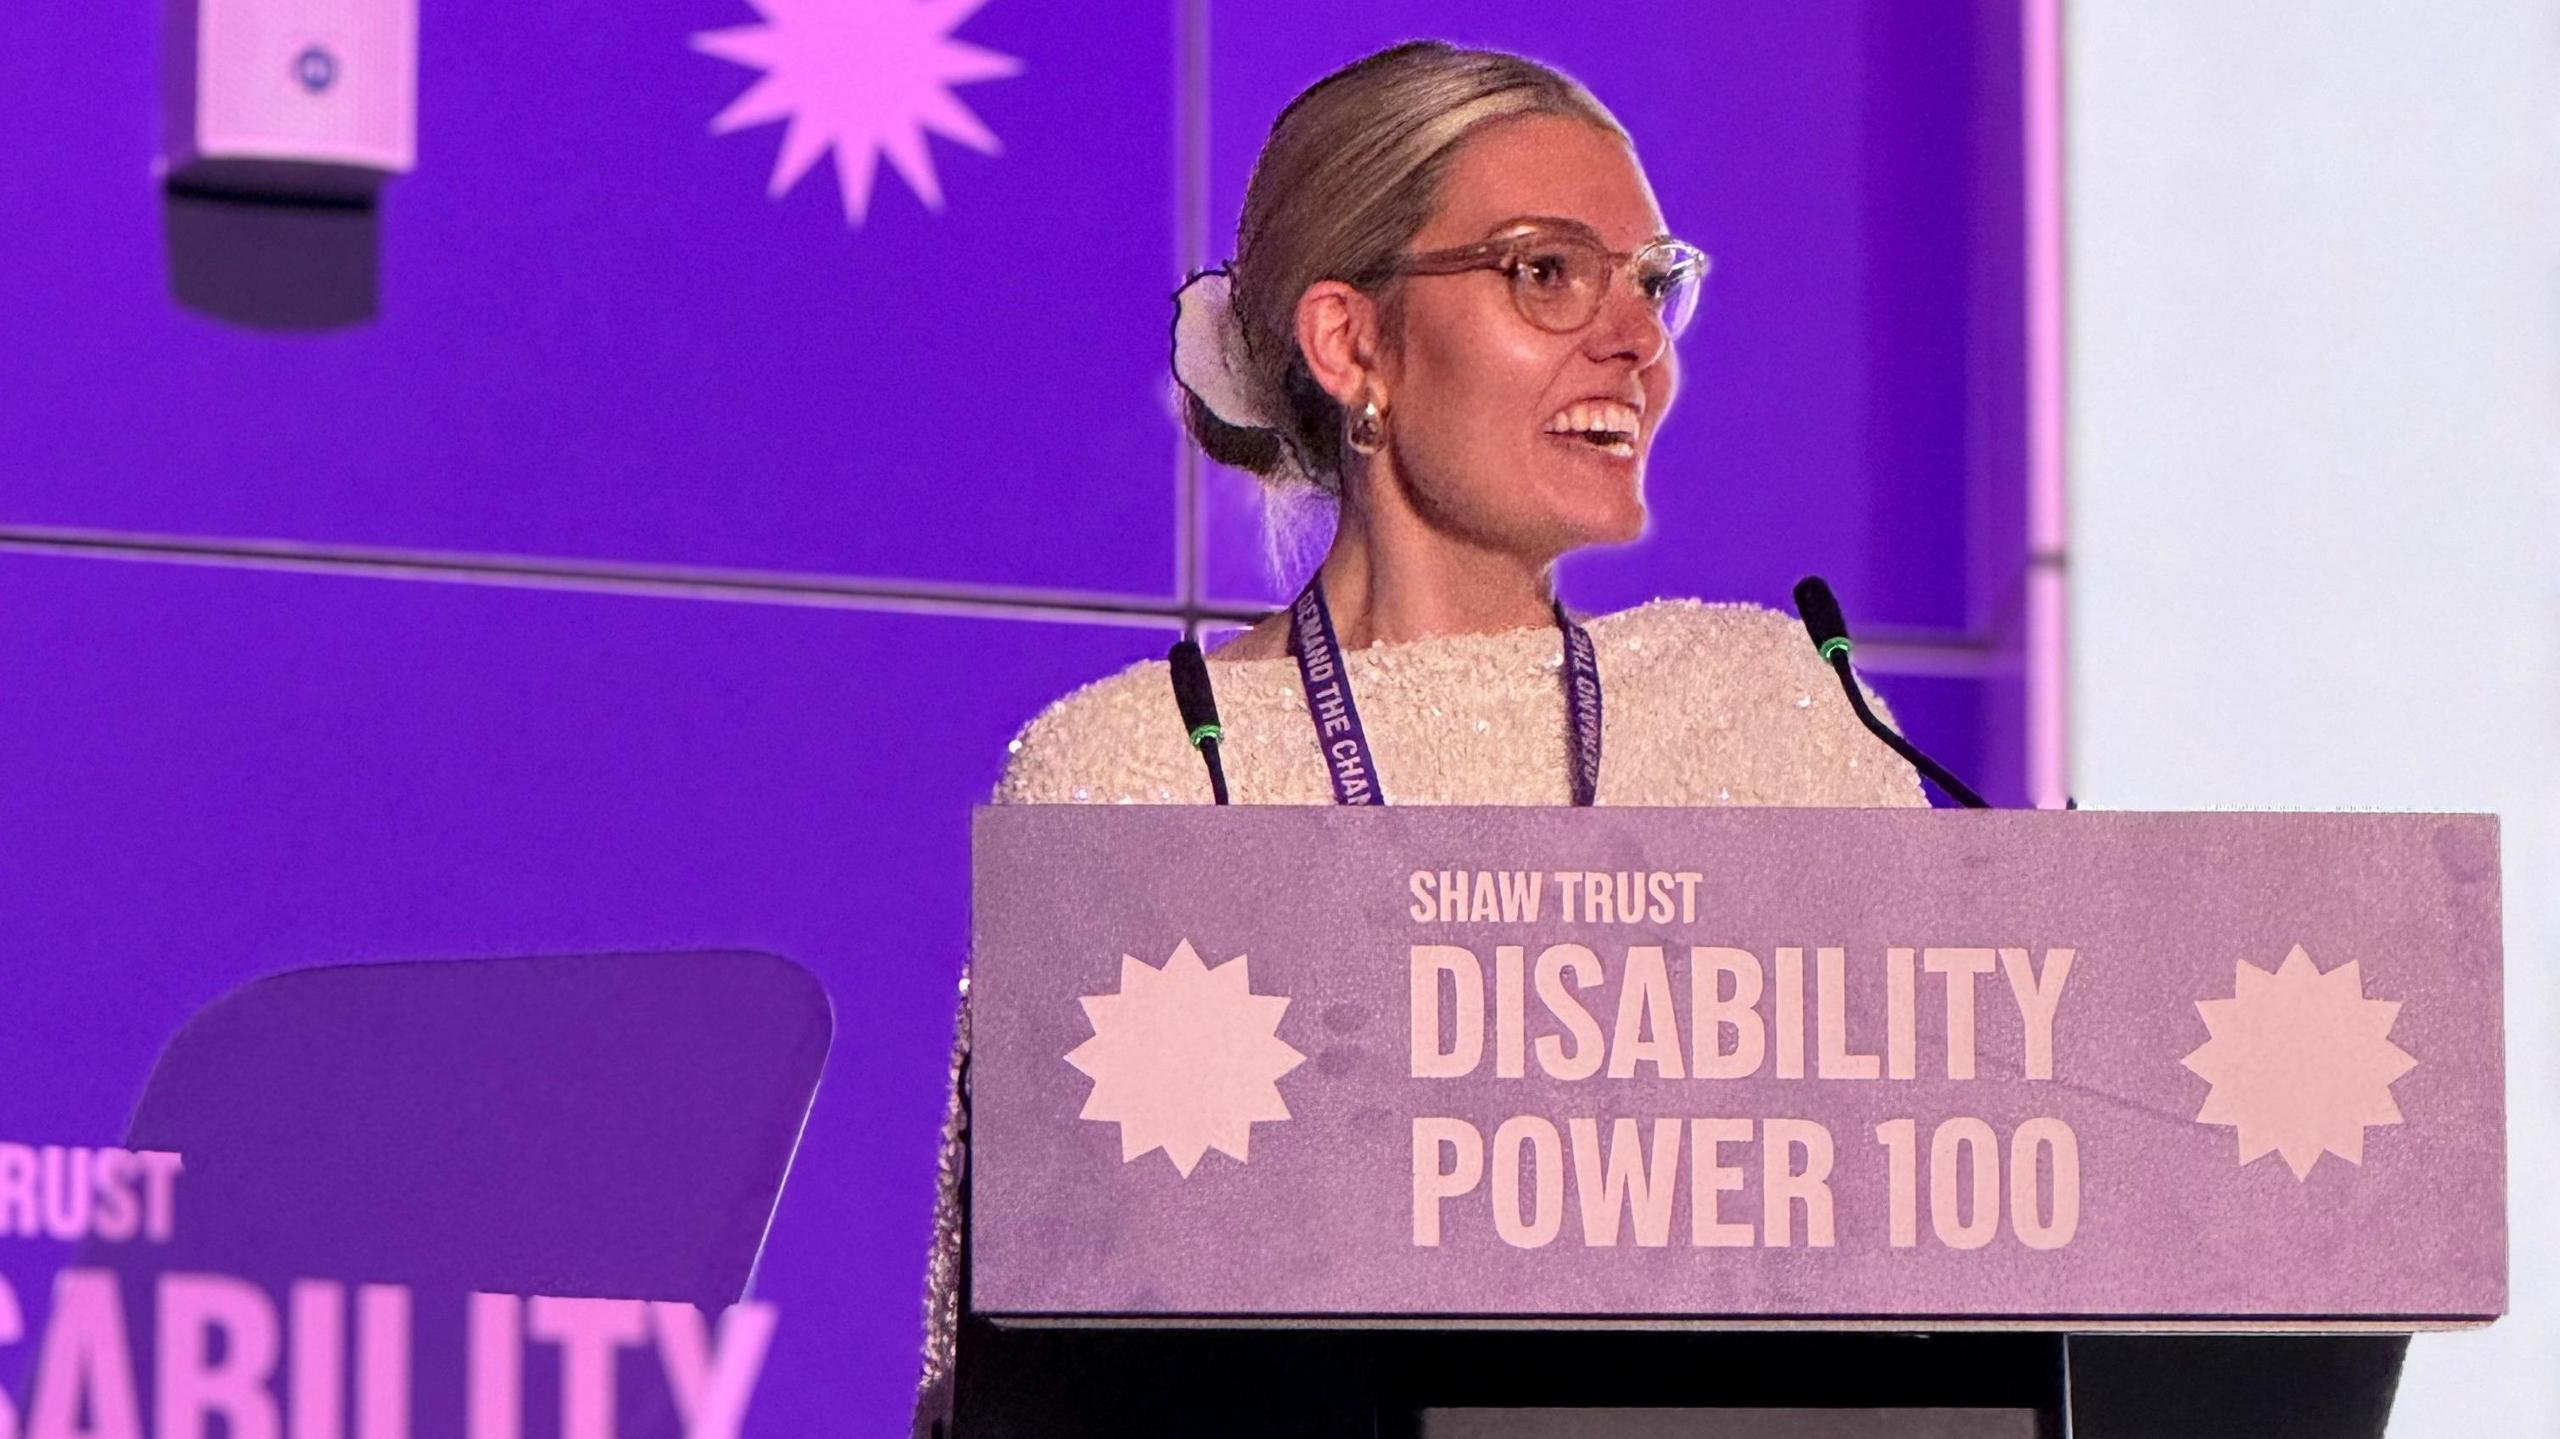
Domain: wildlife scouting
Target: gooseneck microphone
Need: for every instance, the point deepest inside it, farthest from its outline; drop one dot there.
(1199, 706)
(1821, 614)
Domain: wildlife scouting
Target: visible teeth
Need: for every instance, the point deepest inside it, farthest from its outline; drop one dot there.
(1605, 416)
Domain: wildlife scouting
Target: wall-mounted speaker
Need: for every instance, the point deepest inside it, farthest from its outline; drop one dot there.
(291, 99)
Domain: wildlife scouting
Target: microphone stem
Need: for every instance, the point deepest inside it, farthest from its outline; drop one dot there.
(1217, 771)
(1954, 788)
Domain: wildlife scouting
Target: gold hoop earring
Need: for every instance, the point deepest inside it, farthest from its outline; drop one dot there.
(1368, 432)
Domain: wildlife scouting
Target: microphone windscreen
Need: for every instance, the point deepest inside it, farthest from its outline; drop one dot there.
(1191, 693)
(1820, 611)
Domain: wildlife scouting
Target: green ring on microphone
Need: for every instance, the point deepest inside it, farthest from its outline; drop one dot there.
(1206, 731)
(1834, 648)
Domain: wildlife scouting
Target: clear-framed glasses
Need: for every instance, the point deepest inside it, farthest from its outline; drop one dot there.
(1560, 272)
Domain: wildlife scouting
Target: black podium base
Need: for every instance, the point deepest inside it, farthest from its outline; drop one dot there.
(2232, 1386)
(1443, 1384)
(1013, 1383)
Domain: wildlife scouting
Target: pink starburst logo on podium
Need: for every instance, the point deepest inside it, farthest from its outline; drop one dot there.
(1185, 1058)
(865, 78)
(2300, 1062)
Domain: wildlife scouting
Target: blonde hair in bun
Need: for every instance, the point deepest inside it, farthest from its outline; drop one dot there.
(1349, 174)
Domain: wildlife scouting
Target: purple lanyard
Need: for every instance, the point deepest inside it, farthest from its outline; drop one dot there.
(1337, 716)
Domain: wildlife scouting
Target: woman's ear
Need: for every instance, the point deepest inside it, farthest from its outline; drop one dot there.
(1338, 332)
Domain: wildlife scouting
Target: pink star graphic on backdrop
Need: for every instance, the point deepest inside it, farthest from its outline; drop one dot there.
(1185, 1058)
(866, 78)
(2299, 1061)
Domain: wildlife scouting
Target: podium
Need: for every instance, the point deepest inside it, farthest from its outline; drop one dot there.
(1478, 1122)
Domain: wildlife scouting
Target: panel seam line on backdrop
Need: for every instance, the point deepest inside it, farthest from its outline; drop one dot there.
(661, 581)
(1886, 650)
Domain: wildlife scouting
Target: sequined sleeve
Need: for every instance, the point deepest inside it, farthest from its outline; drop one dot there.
(942, 1264)
(1113, 741)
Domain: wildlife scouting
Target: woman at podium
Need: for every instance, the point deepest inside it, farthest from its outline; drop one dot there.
(1453, 312)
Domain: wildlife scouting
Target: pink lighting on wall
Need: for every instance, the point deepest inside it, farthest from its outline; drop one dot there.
(2047, 658)
(865, 78)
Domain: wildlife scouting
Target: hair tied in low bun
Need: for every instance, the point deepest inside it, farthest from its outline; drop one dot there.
(1209, 354)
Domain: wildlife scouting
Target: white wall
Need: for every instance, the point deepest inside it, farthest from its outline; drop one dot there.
(2315, 528)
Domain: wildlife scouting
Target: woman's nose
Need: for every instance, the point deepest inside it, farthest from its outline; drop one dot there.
(1628, 325)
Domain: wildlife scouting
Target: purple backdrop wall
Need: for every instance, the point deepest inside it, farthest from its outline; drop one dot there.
(248, 773)
(598, 339)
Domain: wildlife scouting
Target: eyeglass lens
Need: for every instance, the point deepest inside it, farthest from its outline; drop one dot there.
(1560, 284)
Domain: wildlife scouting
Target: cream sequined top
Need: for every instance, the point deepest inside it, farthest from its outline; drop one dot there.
(1703, 705)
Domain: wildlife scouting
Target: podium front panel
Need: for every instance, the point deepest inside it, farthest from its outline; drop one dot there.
(1820, 1065)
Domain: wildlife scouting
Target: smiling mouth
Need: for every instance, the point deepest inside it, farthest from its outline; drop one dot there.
(1607, 426)
(1618, 444)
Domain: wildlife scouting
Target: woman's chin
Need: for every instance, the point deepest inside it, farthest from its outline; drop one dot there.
(1600, 517)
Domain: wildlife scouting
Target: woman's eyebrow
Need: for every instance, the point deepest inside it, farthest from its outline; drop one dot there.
(1561, 222)
(1547, 222)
